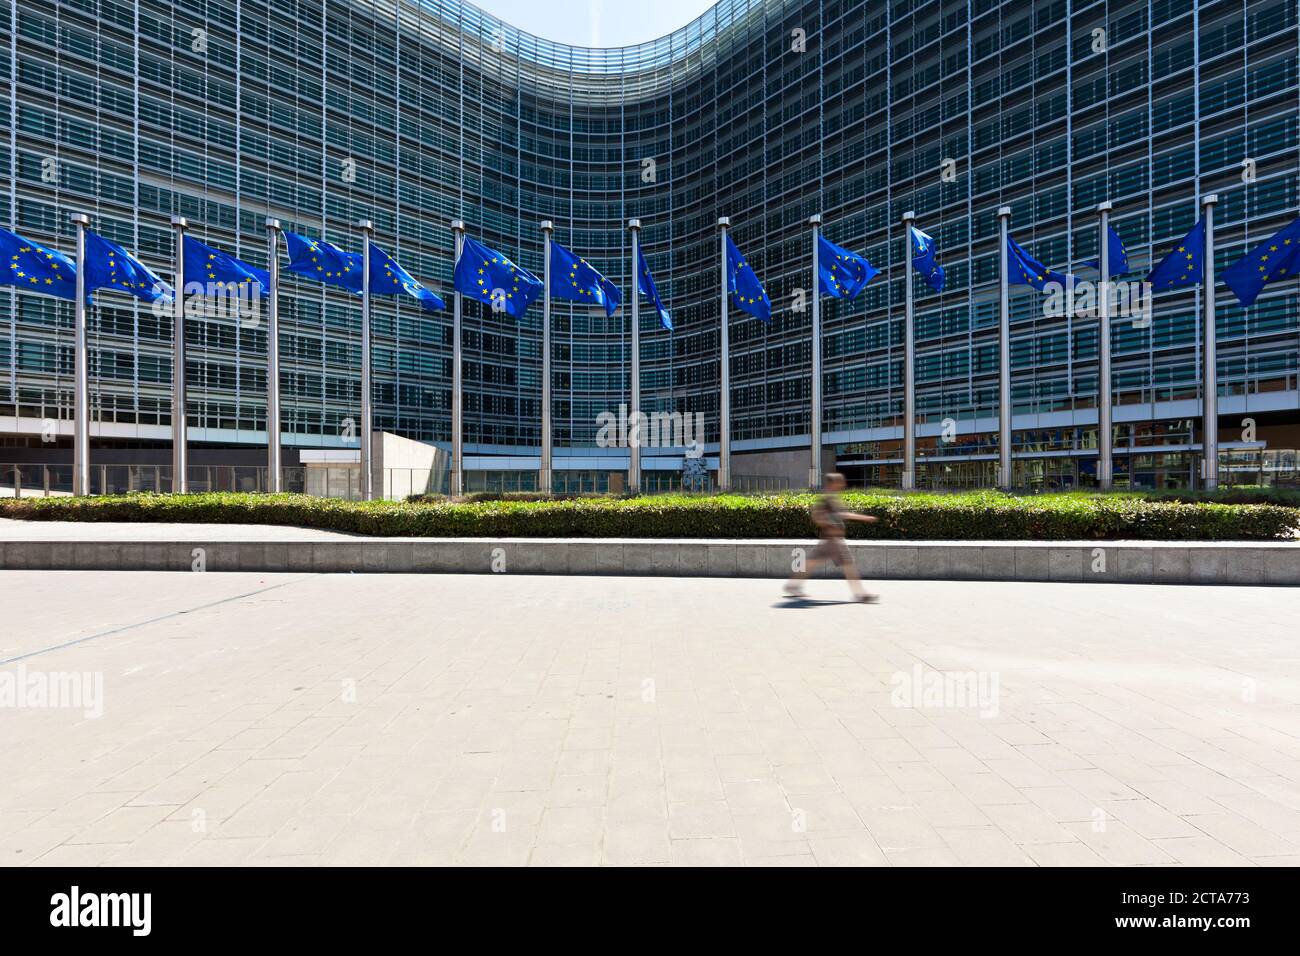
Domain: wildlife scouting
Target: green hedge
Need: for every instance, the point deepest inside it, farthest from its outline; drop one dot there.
(985, 515)
(1237, 495)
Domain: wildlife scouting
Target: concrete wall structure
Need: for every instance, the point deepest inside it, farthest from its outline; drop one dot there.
(268, 550)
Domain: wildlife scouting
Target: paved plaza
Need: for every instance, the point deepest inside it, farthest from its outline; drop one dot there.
(441, 719)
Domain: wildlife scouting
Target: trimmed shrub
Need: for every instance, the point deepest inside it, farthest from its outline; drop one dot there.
(1238, 495)
(983, 515)
(477, 496)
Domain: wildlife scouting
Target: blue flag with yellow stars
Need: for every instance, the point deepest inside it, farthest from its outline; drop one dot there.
(109, 266)
(324, 262)
(645, 284)
(388, 278)
(1118, 255)
(574, 278)
(36, 268)
(221, 273)
(488, 276)
(923, 259)
(1024, 269)
(613, 298)
(1185, 265)
(744, 285)
(841, 273)
(1274, 259)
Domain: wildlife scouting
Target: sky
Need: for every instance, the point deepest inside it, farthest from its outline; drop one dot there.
(597, 22)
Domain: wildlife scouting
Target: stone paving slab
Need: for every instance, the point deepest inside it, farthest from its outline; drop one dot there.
(309, 719)
(261, 548)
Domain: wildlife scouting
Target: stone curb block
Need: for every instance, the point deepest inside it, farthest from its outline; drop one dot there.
(1124, 562)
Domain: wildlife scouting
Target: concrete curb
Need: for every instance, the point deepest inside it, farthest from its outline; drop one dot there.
(1137, 562)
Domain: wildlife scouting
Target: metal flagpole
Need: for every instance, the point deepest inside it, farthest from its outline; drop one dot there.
(1210, 379)
(634, 440)
(815, 403)
(545, 483)
(275, 481)
(457, 406)
(909, 361)
(367, 411)
(81, 399)
(180, 431)
(1105, 428)
(1004, 355)
(724, 368)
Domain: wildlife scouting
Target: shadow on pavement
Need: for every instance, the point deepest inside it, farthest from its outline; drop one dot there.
(803, 602)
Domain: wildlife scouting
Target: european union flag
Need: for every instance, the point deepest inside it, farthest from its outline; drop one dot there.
(744, 285)
(841, 273)
(221, 273)
(613, 298)
(574, 278)
(324, 262)
(109, 266)
(645, 284)
(36, 268)
(388, 278)
(1273, 259)
(1118, 256)
(490, 277)
(1024, 269)
(923, 259)
(1185, 265)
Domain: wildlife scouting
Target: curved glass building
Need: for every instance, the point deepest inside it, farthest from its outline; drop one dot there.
(414, 112)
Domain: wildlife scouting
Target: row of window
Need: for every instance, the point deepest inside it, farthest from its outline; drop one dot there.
(680, 237)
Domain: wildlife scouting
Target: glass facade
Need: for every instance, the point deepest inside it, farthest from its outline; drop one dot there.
(416, 112)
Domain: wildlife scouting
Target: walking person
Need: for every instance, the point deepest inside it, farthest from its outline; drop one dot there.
(829, 515)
